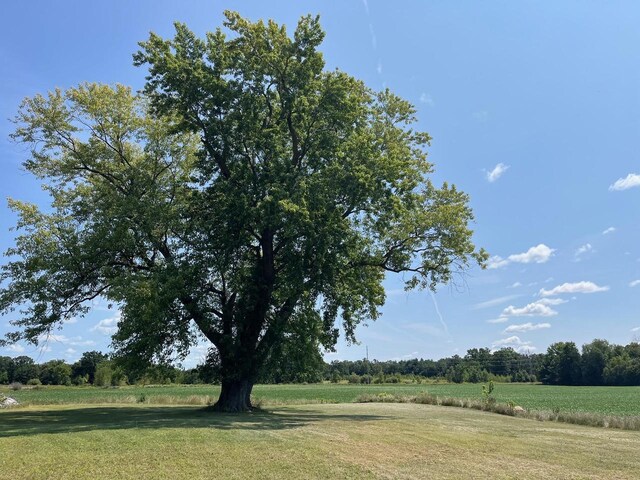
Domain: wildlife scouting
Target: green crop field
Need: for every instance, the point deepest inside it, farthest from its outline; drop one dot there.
(603, 400)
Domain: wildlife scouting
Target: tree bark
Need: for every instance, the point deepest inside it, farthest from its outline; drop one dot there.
(235, 396)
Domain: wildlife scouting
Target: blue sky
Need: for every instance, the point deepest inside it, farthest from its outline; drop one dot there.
(534, 109)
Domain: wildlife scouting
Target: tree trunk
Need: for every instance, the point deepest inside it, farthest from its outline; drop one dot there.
(235, 396)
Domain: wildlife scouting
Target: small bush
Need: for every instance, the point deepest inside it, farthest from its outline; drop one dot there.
(15, 386)
(34, 382)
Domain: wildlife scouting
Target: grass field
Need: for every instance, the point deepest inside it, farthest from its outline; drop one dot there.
(603, 400)
(392, 441)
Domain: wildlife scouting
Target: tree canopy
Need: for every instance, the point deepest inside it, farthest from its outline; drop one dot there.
(248, 196)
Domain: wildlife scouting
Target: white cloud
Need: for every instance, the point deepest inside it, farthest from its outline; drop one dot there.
(635, 283)
(498, 320)
(426, 99)
(494, 301)
(515, 343)
(535, 309)
(609, 230)
(107, 326)
(497, 172)
(496, 262)
(577, 287)
(526, 327)
(631, 180)
(15, 348)
(78, 342)
(586, 248)
(516, 285)
(408, 356)
(379, 67)
(635, 329)
(538, 254)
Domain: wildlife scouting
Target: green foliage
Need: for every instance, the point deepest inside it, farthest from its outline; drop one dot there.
(562, 365)
(55, 372)
(103, 375)
(249, 196)
(487, 391)
(81, 380)
(86, 366)
(34, 382)
(23, 369)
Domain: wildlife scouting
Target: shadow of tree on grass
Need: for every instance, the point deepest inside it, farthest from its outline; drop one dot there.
(18, 422)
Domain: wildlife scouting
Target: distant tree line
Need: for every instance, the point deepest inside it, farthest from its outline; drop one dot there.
(598, 363)
(478, 365)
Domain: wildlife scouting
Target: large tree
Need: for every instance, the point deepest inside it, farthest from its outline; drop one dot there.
(248, 196)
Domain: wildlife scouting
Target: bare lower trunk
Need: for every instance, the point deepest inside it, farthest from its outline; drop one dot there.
(235, 396)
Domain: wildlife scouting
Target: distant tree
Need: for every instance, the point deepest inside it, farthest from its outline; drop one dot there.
(55, 372)
(561, 365)
(24, 369)
(594, 359)
(6, 365)
(622, 370)
(504, 361)
(456, 373)
(248, 192)
(480, 357)
(104, 374)
(87, 365)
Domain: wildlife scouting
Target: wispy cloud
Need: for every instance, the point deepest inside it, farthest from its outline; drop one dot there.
(630, 181)
(498, 320)
(582, 250)
(577, 287)
(514, 342)
(497, 172)
(426, 99)
(435, 305)
(494, 301)
(538, 254)
(609, 230)
(635, 283)
(526, 327)
(15, 348)
(515, 285)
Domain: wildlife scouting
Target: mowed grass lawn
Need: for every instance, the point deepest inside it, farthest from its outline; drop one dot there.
(603, 400)
(391, 441)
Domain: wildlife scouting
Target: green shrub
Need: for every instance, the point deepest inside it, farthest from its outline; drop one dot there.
(34, 382)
